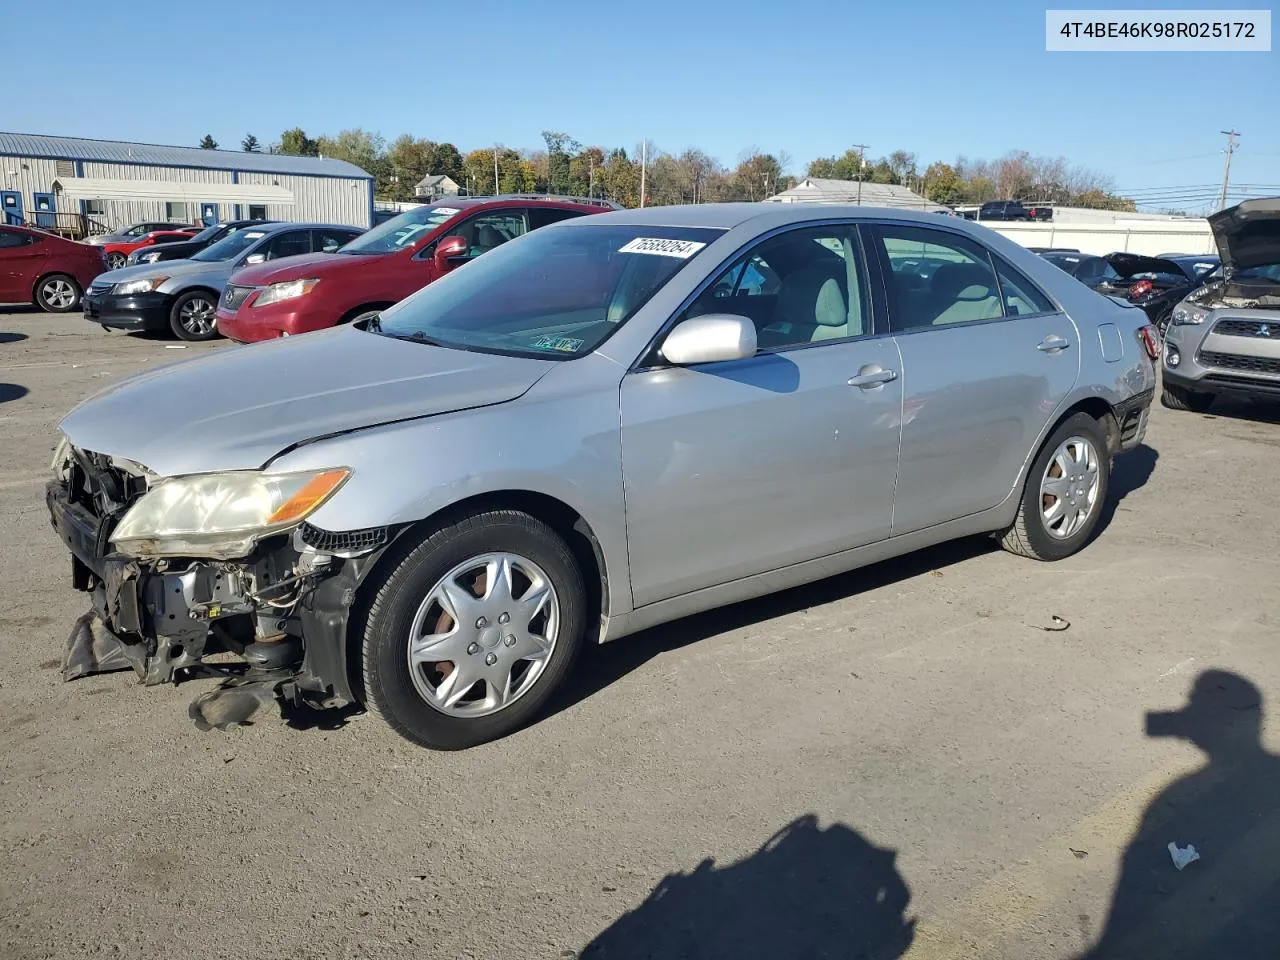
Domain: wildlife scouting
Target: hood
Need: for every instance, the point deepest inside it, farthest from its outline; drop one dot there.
(1248, 234)
(237, 408)
(165, 268)
(301, 267)
(1128, 264)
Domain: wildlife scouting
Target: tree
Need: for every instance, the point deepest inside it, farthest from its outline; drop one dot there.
(560, 146)
(250, 144)
(445, 160)
(208, 143)
(296, 143)
(409, 161)
(942, 184)
(364, 149)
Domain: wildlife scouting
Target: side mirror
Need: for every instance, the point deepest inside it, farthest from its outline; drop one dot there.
(710, 339)
(448, 250)
(255, 258)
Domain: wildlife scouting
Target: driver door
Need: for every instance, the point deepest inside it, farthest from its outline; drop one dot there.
(737, 468)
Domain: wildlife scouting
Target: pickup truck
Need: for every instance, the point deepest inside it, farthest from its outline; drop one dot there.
(1013, 210)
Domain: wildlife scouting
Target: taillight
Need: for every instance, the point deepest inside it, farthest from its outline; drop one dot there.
(1150, 338)
(1140, 289)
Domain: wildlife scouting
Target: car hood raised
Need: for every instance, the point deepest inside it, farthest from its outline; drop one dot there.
(237, 408)
(1248, 234)
(1129, 264)
(302, 267)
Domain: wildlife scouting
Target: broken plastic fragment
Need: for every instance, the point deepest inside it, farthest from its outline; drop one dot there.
(1182, 855)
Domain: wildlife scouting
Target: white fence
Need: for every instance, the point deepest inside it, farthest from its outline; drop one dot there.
(1148, 237)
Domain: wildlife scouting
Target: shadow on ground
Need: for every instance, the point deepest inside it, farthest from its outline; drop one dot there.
(11, 391)
(604, 665)
(1227, 903)
(1129, 472)
(807, 892)
(1258, 411)
(8, 336)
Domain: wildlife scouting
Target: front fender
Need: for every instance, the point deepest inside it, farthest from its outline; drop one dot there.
(564, 445)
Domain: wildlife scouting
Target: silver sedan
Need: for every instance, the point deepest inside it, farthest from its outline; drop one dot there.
(599, 427)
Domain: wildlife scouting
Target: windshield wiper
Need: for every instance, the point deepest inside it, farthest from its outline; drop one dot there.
(416, 337)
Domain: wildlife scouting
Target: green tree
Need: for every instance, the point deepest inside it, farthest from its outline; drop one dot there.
(250, 144)
(296, 143)
(447, 161)
(942, 185)
(620, 179)
(560, 147)
(208, 143)
(365, 149)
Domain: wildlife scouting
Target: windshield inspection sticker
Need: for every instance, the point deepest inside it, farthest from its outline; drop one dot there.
(447, 211)
(682, 249)
(563, 344)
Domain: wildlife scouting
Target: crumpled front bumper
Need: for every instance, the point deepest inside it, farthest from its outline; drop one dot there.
(160, 618)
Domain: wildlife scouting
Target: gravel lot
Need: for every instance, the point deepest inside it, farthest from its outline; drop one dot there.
(900, 758)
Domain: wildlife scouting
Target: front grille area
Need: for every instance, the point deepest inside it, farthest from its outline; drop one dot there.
(1229, 361)
(347, 541)
(1248, 328)
(234, 297)
(99, 287)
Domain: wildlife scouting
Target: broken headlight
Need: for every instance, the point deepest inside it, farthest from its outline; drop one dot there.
(221, 515)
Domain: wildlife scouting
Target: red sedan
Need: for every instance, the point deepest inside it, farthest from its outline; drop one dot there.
(40, 268)
(117, 253)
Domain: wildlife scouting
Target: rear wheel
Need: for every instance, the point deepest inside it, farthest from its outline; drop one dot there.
(1066, 488)
(116, 260)
(57, 293)
(193, 316)
(1180, 398)
(473, 630)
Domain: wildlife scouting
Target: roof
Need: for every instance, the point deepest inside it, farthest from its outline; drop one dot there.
(119, 151)
(820, 190)
(433, 180)
(726, 216)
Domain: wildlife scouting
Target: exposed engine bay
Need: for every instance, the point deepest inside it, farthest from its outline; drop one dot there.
(1238, 294)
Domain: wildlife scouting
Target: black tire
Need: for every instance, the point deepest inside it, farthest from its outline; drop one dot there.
(363, 313)
(1180, 398)
(182, 318)
(51, 293)
(1030, 536)
(390, 691)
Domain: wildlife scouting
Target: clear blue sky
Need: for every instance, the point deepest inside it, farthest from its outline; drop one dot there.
(933, 77)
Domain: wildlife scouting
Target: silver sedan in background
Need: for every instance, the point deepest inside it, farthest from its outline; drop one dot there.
(604, 425)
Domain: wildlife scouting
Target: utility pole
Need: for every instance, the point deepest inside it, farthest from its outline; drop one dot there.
(862, 166)
(495, 169)
(1226, 172)
(644, 160)
(591, 176)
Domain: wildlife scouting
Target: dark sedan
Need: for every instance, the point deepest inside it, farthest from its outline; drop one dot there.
(1156, 284)
(184, 249)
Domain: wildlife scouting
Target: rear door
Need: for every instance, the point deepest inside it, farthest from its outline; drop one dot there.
(986, 361)
(20, 256)
(743, 467)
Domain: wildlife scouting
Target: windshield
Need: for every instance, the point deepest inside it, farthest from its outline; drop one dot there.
(231, 246)
(400, 232)
(207, 234)
(555, 293)
(1063, 262)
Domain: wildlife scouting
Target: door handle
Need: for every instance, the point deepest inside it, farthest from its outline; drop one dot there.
(873, 376)
(1053, 344)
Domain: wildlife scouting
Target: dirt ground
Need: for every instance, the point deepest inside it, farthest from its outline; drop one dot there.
(897, 762)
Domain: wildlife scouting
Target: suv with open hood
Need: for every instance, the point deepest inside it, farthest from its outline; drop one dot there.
(1224, 338)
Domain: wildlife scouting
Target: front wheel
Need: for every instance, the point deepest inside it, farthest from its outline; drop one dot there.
(194, 316)
(116, 261)
(1066, 488)
(472, 632)
(1180, 398)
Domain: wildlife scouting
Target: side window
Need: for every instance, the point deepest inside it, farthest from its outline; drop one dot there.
(1021, 297)
(490, 230)
(9, 238)
(804, 286)
(95, 208)
(327, 241)
(290, 243)
(936, 278)
(545, 216)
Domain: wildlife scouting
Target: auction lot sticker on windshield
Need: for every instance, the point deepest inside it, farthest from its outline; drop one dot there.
(682, 249)
(447, 211)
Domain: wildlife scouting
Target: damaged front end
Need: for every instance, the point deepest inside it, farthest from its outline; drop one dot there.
(270, 624)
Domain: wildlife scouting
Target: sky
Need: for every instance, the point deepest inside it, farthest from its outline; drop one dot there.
(935, 78)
